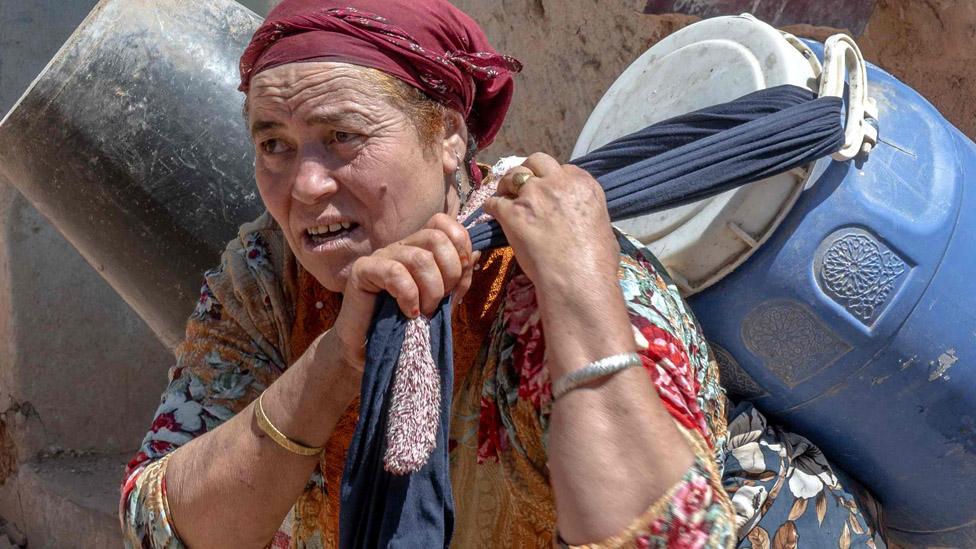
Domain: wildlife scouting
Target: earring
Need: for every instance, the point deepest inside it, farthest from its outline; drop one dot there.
(458, 180)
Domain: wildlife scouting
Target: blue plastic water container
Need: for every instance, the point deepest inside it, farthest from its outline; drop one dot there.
(855, 322)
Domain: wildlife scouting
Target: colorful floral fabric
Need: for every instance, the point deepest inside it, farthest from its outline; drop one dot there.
(239, 340)
(786, 494)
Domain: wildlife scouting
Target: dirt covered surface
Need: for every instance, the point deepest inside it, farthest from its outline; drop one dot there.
(929, 45)
(8, 454)
(574, 49)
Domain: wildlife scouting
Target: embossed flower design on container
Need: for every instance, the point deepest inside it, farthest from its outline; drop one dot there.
(793, 343)
(860, 272)
(852, 266)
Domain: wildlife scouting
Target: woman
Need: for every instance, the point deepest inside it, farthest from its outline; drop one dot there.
(366, 121)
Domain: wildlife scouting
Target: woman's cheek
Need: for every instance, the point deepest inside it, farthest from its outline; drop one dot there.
(272, 165)
(273, 190)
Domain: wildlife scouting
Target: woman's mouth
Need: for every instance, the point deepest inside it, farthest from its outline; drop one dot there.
(319, 238)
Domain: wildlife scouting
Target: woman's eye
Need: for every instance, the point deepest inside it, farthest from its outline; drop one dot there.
(273, 146)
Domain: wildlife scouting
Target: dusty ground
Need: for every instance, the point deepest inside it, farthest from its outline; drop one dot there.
(574, 49)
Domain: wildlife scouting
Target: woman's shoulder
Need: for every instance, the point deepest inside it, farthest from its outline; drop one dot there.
(254, 284)
(259, 247)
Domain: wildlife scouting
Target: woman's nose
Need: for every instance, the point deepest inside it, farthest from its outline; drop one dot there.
(313, 181)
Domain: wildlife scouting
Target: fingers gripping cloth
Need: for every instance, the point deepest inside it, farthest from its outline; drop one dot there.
(396, 489)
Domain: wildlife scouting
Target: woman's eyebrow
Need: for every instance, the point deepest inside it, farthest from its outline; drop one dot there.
(334, 118)
(317, 119)
(259, 126)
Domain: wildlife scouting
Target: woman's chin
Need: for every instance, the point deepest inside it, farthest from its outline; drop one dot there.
(330, 262)
(328, 277)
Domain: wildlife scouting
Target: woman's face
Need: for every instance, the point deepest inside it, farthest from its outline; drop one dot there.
(340, 169)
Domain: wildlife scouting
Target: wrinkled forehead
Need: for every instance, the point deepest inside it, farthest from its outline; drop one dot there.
(303, 86)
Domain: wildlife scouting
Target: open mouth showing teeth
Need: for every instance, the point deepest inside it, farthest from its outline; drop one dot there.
(324, 233)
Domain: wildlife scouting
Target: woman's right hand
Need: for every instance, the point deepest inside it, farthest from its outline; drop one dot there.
(418, 271)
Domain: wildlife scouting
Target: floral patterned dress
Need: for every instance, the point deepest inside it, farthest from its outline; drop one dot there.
(259, 311)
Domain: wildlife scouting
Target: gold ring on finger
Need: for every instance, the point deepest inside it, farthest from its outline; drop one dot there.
(520, 179)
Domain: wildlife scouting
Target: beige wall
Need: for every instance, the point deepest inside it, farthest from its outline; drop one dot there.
(574, 49)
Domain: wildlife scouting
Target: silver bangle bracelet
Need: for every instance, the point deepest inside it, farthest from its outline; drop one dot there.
(594, 370)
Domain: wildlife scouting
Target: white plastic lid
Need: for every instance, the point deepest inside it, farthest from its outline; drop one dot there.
(710, 62)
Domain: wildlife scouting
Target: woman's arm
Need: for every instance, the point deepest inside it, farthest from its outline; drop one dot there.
(231, 485)
(613, 448)
(202, 474)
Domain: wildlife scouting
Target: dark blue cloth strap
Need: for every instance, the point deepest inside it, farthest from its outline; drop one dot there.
(707, 152)
(680, 160)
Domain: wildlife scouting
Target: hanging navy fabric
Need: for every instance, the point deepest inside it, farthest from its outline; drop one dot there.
(379, 509)
(680, 160)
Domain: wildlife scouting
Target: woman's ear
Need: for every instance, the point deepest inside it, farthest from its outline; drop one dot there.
(455, 142)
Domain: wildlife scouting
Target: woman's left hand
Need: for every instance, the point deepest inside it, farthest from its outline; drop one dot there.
(557, 225)
(559, 228)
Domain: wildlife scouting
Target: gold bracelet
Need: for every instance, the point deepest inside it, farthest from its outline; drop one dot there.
(269, 429)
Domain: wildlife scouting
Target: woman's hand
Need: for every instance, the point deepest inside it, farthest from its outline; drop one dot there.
(418, 271)
(559, 229)
(311, 396)
(557, 225)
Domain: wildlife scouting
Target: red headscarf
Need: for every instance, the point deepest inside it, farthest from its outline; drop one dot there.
(429, 44)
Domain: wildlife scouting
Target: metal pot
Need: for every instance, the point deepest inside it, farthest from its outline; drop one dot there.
(133, 144)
